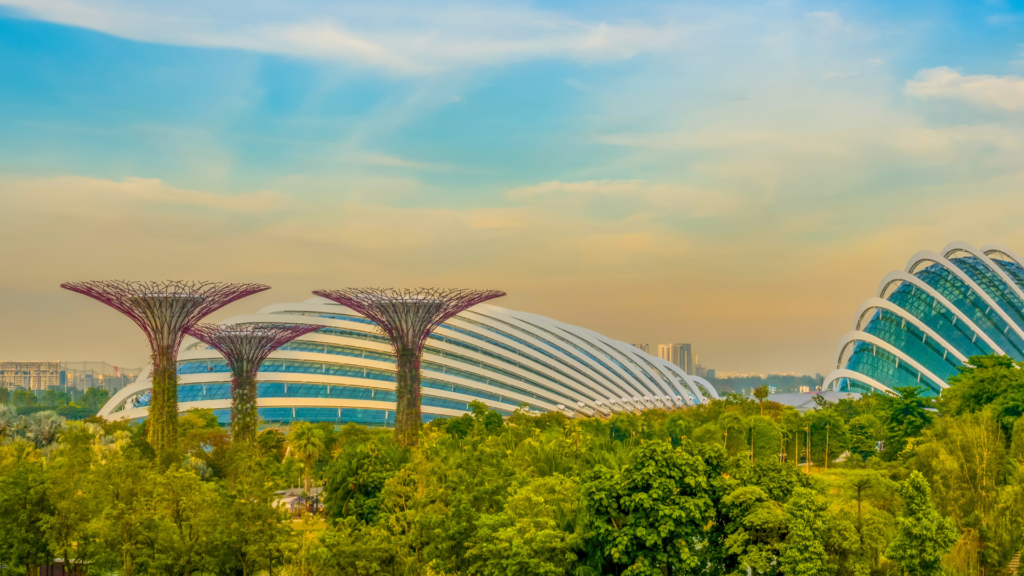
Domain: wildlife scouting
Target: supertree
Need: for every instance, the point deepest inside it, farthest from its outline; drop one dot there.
(408, 317)
(165, 311)
(245, 347)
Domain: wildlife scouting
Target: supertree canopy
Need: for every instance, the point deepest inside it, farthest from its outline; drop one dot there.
(165, 311)
(408, 317)
(245, 347)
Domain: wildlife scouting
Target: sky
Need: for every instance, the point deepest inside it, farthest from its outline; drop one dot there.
(737, 175)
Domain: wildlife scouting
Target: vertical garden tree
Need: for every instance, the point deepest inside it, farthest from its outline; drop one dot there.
(245, 347)
(165, 311)
(408, 317)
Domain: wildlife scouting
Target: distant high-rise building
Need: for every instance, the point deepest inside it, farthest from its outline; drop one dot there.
(645, 347)
(29, 375)
(711, 374)
(702, 371)
(85, 375)
(679, 354)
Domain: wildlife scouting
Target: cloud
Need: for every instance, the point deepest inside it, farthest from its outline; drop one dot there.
(84, 196)
(983, 91)
(675, 199)
(825, 21)
(413, 38)
(385, 160)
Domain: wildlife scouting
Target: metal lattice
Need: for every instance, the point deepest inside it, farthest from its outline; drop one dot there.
(246, 346)
(164, 310)
(408, 316)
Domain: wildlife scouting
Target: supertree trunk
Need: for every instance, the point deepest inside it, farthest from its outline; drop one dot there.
(408, 417)
(162, 424)
(244, 417)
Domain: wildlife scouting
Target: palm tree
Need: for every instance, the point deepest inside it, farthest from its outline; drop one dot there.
(8, 421)
(761, 393)
(307, 442)
(43, 428)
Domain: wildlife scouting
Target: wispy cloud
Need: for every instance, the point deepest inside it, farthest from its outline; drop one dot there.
(982, 90)
(90, 197)
(413, 38)
(675, 199)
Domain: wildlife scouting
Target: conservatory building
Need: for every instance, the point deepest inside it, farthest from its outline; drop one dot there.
(930, 317)
(345, 372)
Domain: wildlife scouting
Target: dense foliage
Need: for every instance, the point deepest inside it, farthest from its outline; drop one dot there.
(892, 487)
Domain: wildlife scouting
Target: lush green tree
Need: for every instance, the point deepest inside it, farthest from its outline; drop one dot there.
(756, 529)
(201, 437)
(803, 552)
(906, 417)
(864, 433)
(535, 534)
(357, 476)
(924, 535)
(94, 399)
(995, 383)
(24, 507)
(965, 461)
(122, 485)
(735, 428)
(765, 438)
(43, 428)
(829, 436)
(68, 475)
(251, 530)
(271, 443)
(761, 393)
(25, 399)
(9, 421)
(648, 516)
(307, 442)
(1016, 439)
(352, 548)
(183, 534)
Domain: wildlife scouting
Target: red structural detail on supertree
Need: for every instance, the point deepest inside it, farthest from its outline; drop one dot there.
(164, 310)
(246, 346)
(408, 316)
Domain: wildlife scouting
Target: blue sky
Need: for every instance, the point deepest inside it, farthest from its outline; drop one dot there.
(735, 175)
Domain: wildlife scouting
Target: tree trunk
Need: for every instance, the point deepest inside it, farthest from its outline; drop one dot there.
(860, 519)
(163, 407)
(407, 388)
(308, 483)
(244, 415)
(827, 430)
(807, 431)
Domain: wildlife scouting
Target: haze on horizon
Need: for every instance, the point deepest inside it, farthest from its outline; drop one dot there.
(736, 175)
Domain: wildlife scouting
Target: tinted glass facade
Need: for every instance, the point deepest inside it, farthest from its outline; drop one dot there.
(929, 319)
(506, 359)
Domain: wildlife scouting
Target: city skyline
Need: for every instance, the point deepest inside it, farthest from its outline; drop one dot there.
(738, 175)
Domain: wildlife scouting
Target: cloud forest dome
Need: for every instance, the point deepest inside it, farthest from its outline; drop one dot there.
(931, 317)
(345, 372)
